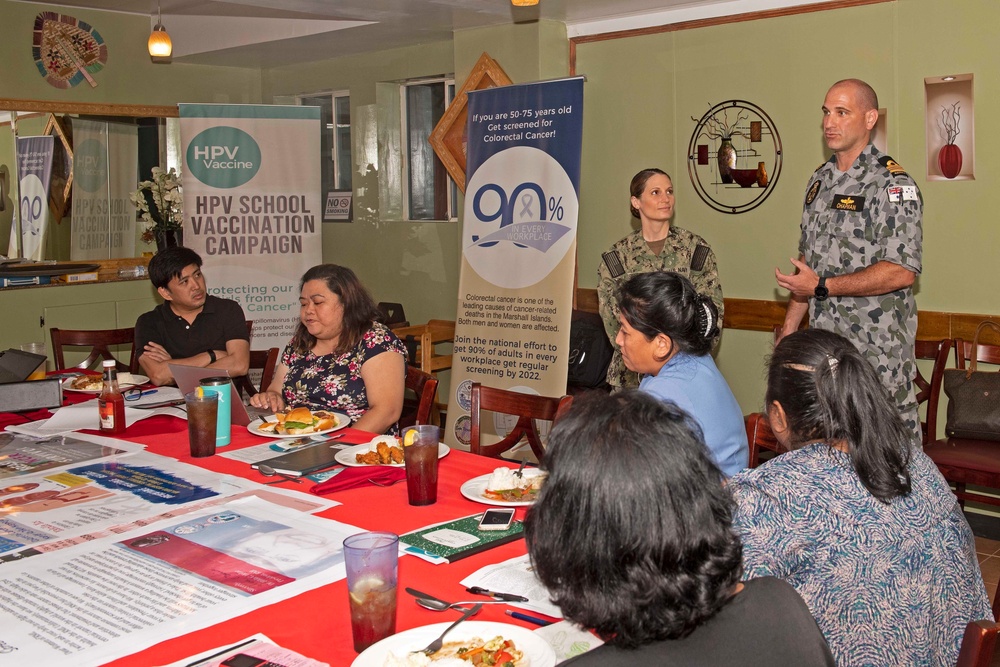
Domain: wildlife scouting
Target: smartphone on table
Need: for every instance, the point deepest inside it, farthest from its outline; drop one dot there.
(497, 519)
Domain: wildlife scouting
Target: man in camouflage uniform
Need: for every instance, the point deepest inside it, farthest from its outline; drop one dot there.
(860, 249)
(683, 252)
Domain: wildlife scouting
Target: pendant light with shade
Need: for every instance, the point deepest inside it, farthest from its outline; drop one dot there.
(159, 44)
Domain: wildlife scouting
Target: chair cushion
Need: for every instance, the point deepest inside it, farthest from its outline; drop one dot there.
(978, 455)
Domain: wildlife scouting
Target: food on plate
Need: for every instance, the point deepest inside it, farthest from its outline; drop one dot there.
(505, 484)
(382, 450)
(498, 652)
(299, 421)
(87, 383)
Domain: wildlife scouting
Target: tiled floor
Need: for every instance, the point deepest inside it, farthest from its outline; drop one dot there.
(989, 562)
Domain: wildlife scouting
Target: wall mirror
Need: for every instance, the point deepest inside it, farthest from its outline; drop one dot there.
(72, 166)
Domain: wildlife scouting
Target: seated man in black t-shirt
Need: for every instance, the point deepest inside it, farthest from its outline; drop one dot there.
(189, 327)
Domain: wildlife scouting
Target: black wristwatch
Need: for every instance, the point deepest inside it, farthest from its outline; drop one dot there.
(211, 353)
(821, 292)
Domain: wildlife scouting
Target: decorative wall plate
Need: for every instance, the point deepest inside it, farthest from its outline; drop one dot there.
(734, 158)
(67, 50)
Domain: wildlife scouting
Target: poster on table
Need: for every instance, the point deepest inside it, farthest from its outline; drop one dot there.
(105, 164)
(515, 293)
(252, 206)
(114, 596)
(34, 170)
(52, 510)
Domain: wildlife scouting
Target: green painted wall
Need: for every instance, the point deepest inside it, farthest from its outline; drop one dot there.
(128, 77)
(641, 93)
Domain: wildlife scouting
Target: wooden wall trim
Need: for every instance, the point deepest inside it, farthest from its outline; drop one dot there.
(761, 315)
(90, 108)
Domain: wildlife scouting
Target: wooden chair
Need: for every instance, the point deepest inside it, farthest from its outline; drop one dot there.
(965, 461)
(760, 437)
(978, 644)
(266, 361)
(99, 340)
(930, 392)
(420, 409)
(527, 407)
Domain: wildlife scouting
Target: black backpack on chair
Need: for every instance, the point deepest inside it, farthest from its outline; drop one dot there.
(590, 352)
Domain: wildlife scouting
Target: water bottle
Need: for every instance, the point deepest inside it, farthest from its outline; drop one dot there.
(222, 386)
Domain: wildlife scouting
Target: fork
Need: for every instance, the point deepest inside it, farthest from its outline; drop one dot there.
(436, 645)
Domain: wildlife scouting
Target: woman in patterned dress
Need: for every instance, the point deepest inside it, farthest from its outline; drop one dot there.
(340, 357)
(862, 524)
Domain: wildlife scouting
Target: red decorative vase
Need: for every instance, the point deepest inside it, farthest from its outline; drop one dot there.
(950, 160)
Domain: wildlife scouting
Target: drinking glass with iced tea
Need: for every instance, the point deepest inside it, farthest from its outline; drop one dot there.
(372, 562)
(420, 456)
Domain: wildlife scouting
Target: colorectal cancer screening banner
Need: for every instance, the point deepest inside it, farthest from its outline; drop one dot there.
(518, 245)
(252, 206)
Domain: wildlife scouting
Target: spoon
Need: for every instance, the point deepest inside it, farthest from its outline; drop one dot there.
(441, 605)
(268, 471)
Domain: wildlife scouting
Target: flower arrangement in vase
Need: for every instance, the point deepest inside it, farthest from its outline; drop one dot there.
(950, 156)
(161, 207)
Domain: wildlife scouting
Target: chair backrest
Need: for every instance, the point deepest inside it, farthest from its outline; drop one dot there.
(985, 352)
(99, 340)
(267, 361)
(424, 386)
(759, 437)
(527, 408)
(930, 392)
(392, 314)
(978, 644)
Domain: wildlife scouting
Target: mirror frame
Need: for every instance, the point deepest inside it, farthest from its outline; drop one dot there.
(87, 108)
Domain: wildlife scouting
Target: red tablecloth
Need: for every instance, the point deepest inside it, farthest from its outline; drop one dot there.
(317, 623)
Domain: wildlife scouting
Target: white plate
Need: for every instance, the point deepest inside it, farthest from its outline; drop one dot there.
(342, 422)
(537, 653)
(348, 456)
(475, 487)
(125, 381)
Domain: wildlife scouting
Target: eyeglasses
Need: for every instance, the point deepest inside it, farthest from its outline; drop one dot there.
(133, 394)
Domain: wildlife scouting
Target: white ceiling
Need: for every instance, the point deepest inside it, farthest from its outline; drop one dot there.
(285, 32)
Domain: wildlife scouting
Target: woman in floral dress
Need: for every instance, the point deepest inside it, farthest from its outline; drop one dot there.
(859, 522)
(340, 357)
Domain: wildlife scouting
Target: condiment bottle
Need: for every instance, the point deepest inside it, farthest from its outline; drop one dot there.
(111, 403)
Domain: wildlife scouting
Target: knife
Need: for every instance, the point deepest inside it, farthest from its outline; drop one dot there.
(417, 594)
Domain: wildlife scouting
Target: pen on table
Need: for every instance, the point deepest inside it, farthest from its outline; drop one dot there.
(148, 392)
(224, 651)
(509, 597)
(530, 619)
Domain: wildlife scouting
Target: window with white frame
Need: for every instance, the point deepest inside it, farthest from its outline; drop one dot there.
(335, 139)
(430, 192)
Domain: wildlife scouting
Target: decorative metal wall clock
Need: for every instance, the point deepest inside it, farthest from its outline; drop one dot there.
(734, 158)
(67, 50)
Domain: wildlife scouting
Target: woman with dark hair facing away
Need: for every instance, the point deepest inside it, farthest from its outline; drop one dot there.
(632, 536)
(657, 245)
(666, 333)
(340, 357)
(861, 523)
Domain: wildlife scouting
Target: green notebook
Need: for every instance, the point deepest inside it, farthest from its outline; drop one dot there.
(457, 539)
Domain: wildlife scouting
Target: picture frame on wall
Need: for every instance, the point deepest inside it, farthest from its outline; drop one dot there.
(448, 138)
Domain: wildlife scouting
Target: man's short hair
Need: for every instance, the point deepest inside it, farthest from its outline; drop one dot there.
(169, 263)
(866, 94)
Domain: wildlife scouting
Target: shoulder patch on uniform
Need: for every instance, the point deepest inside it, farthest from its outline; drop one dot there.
(813, 191)
(892, 166)
(699, 257)
(614, 263)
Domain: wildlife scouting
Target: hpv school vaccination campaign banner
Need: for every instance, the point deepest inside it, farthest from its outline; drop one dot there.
(252, 206)
(515, 294)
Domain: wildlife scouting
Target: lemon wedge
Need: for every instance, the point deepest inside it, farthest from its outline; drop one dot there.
(199, 392)
(410, 437)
